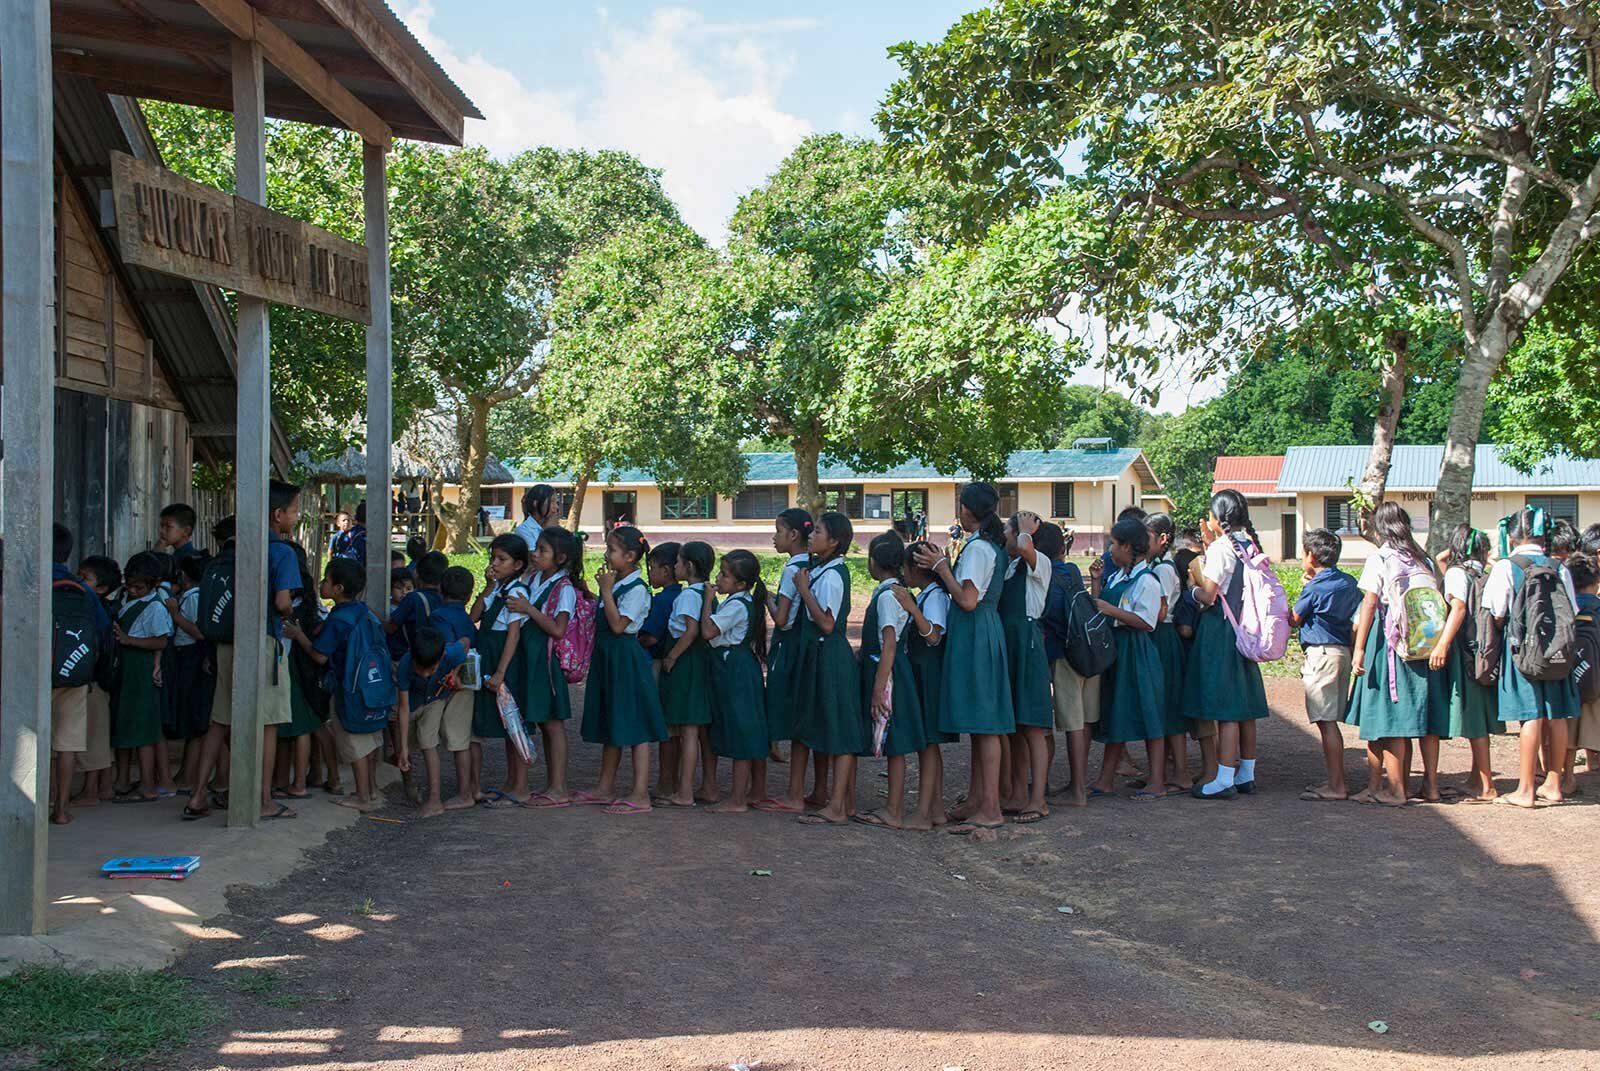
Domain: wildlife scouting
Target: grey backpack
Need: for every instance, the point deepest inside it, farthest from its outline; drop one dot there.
(1541, 629)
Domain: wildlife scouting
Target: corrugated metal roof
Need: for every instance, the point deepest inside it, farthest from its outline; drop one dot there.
(1250, 475)
(1416, 468)
(780, 468)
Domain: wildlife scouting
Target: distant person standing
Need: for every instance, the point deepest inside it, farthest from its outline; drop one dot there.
(538, 512)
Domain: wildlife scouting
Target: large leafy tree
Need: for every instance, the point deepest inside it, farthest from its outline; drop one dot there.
(1396, 154)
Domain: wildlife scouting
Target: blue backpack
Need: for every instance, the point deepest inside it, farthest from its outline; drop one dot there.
(367, 693)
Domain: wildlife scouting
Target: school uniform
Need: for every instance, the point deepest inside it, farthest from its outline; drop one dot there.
(907, 732)
(1391, 697)
(544, 696)
(1460, 706)
(1076, 700)
(621, 705)
(827, 714)
(686, 687)
(528, 531)
(1169, 646)
(412, 613)
(975, 689)
(655, 625)
(1587, 731)
(136, 713)
(1022, 599)
(1133, 691)
(1327, 607)
(454, 623)
(493, 629)
(738, 706)
(1219, 683)
(439, 710)
(193, 683)
(927, 662)
(1519, 698)
(783, 655)
(308, 699)
(331, 642)
(283, 575)
(69, 707)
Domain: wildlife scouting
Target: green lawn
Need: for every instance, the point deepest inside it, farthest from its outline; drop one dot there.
(52, 1018)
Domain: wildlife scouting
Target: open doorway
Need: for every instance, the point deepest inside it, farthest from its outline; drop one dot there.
(908, 509)
(621, 507)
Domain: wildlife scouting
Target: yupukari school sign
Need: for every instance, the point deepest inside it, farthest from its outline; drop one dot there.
(170, 224)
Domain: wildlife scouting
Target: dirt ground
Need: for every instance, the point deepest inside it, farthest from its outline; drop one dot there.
(1261, 933)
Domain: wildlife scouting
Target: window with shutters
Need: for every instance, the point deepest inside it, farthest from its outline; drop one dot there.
(760, 503)
(1061, 500)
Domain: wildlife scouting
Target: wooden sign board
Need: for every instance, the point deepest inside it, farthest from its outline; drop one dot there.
(169, 224)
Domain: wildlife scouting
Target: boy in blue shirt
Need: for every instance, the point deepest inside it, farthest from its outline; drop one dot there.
(419, 604)
(1325, 615)
(451, 617)
(429, 697)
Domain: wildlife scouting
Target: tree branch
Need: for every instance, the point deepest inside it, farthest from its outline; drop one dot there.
(517, 389)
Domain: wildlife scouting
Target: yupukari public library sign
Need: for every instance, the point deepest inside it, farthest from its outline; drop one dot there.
(170, 224)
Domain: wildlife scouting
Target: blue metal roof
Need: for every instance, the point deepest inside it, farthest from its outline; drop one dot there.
(780, 468)
(1416, 468)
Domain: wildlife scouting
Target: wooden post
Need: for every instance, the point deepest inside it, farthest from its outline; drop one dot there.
(375, 206)
(26, 218)
(250, 666)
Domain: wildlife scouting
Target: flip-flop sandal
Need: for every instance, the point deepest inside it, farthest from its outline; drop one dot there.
(818, 820)
(668, 801)
(772, 806)
(966, 829)
(219, 799)
(1028, 818)
(543, 801)
(1101, 794)
(627, 807)
(490, 798)
(1447, 792)
(1144, 795)
(282, 812)
(1010, 812)
(873, 819)
(192, 815)
(589, 799)
(1478, 800)
(166, 793)
(136, 799)
(1506, 802)
(284, 794)
(1313, 796)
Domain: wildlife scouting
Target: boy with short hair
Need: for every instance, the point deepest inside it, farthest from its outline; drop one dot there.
(451, 617)
(1325, 615)
(343, 583)
(176, 535)
(429, 697)
(1076, 699)
(414, 609)
(194, 681)
(69, 707)
(103, 576)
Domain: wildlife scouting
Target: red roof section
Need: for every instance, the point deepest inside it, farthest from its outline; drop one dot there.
(1256, 475)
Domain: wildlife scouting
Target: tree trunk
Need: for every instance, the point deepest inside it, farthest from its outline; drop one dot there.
(579, 491)
(1376, 476)
(1452, 504)
(809, 494)
(464, 524)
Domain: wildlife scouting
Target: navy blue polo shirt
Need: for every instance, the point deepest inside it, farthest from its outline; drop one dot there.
(655, 623)
(425, 690)
(1327, 608)
(453, 620)
(1053, 622)
(330, 642)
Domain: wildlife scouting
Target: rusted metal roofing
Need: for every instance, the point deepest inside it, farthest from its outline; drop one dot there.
(1249, 475)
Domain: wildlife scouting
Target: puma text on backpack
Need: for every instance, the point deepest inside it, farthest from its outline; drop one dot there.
(216, 598)
(1481, 632)
(1261, 628)
(367, 691)
(1541, 629)
(1090, 649)
(574, 649)
(75, 643)
(1587, 674)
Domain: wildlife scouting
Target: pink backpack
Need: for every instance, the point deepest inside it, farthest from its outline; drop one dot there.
(1261, 631)
(574, 649)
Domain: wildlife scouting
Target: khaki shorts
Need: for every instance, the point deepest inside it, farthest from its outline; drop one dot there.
(449, 719)
(275, 709)
(1326, 675)
(96, 754)
(1077, 699)
(352, 747)
(69, 718)
(1587, 733)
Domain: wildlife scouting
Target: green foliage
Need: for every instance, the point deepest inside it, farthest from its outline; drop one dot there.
(1549, 396)
(53, 1018)
(1092, 413)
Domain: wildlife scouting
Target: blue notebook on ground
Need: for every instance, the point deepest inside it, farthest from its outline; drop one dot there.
(154, 866)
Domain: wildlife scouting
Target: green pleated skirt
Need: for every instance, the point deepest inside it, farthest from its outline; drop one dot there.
(1133, 694)
(1169, 649)
(544, 696)
(1520, 699)
(136, 717)
(907, 726)
(927, 669)
(686, 691)
(1220, 684)
(1458, 706)
(1029, 672)
(975, 684)
(738, 704)
(1372, 710)
(828, 717)
(783, 657)
(621, 706)
(302, 719)
(486, 722)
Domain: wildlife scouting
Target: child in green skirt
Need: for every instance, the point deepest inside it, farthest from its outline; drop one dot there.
(791, 535)
(142, 628)
(928, 613)
(737, 634)
(828, 716)
(1022, 599)
(686, 677)
(1169, 648)
(1133, 701)
(1466, 708)
(499, 634)
(555, 581)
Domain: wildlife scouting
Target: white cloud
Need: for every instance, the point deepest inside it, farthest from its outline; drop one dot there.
(698, 100)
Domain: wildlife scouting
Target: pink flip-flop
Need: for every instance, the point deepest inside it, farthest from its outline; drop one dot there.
(627, 807)
(541, 801)
(589, 799)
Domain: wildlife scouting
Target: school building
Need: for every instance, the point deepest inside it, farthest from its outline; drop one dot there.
(1309, 487)
(1081, 488)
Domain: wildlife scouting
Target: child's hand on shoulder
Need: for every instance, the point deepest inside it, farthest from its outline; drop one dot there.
(903, 596)
(802, 580)
(518, 604)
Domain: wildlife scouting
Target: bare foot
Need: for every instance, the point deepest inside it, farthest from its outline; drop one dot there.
(356, 803)
(919, 823)
(460, 803)
(430, 810)
(1078, 797)
(731, 807)
(962, 811)
(816, 804)
(823, 817)
(1526, 800)
(785, 806)
(60, 818)
(1550, 792)
(880, 818)
(84, 801)
(1389, 799)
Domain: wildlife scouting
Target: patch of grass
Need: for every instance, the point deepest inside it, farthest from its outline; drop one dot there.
(366, 908)
(53, 1018)
(258, 981)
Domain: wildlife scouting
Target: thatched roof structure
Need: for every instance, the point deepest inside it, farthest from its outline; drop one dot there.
(351, 467)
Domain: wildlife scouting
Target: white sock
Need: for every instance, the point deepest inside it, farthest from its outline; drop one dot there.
(1247, 771)
(1223, 781)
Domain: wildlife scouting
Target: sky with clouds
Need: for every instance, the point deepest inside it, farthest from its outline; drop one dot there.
(713, 92)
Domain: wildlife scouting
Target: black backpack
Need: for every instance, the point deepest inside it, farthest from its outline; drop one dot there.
(1481, 633)
(1541, 627)
(1587, 675)
(216, 598)
(75, 641)
(1090, 649)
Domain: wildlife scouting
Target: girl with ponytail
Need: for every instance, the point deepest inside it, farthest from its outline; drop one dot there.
(686, 680)
(1461, 707)
(737, 634)
(975, 688)
(791, 536)
(828, 715)
(1222, 688)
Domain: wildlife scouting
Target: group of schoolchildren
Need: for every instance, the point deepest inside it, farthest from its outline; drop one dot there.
(999, 637)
